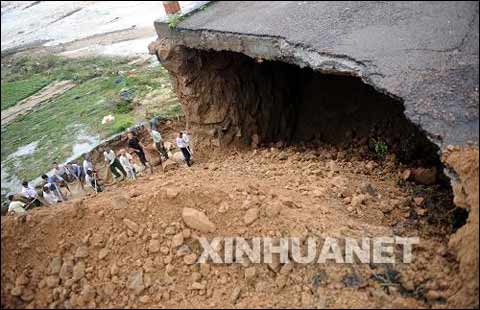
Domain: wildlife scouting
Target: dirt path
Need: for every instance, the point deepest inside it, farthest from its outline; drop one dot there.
(129, 247)
(41, 97)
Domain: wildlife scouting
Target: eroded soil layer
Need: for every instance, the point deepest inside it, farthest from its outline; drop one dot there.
(129, 246)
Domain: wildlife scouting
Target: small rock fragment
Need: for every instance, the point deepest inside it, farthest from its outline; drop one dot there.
(197, 220)
(131, 225)
(250, 216)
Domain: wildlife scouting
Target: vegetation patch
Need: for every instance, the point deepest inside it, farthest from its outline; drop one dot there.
(14, 92)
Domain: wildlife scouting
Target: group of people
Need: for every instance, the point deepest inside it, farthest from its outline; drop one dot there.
(121, 165)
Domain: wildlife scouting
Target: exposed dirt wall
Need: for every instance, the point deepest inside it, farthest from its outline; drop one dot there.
(228, 97)
(465, 242)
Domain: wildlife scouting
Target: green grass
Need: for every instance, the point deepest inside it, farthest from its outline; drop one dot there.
(57, 124)
(13, 92)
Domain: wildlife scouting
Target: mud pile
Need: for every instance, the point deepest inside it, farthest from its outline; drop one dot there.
(130, 247)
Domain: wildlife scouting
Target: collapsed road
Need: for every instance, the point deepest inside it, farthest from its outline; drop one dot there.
(259, 72)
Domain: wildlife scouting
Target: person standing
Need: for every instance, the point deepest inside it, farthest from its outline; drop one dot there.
(158, 141)
(62, 172)
(182, 145)
(77, 172)
(136, 146)
(186, 138)
(114, 163)
(126, 161)
(87, 164)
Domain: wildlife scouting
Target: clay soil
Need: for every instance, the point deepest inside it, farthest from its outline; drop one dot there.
(129, 247)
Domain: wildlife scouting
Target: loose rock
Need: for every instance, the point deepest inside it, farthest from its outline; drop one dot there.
(131, 225)
(135, 282)
(79, 271)
(197, 220)
(250, 216)
(81, 252)
(154, 246)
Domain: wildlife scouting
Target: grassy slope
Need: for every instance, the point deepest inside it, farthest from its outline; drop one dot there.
(56, 124)
(14, 92)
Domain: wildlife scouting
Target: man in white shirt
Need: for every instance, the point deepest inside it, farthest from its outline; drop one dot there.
(182, 145)
(91, 179)
(158, 141)
(16, 207)
(126, 161)
(31, 194)
(28, 191)
(50, 197)
(87, 164)
(112, 161)
(186, 138)
(62, 172)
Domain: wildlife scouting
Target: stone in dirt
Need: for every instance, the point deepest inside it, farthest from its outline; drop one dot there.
(235, 294)
(250, 216)
(154, 246)
(204, 269)
(119, 202)
(282, 156)
(307, 299)
(186, 233)
(52, 281)
(250, 273)
(178, 157)
(66, 270)
(367, 188)
(79, 271)
(286, 269)
(183, 250)
(289, 203)
(196, 276)
(16, 291)
(55, 265)
(197, 220)
(273, 209)
(103, 253)
(135, 282)
(81, 252)
(177, 240)
(406, 174)
(198, 286)
(281, 281)
(169, 165)
(190, 259)
(172, 193)
(418, 201)
(131, 225)
(425, 176)
(358, 200)
(22, 280)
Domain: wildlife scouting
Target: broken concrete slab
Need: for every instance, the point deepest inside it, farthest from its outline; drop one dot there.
(429, 60)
